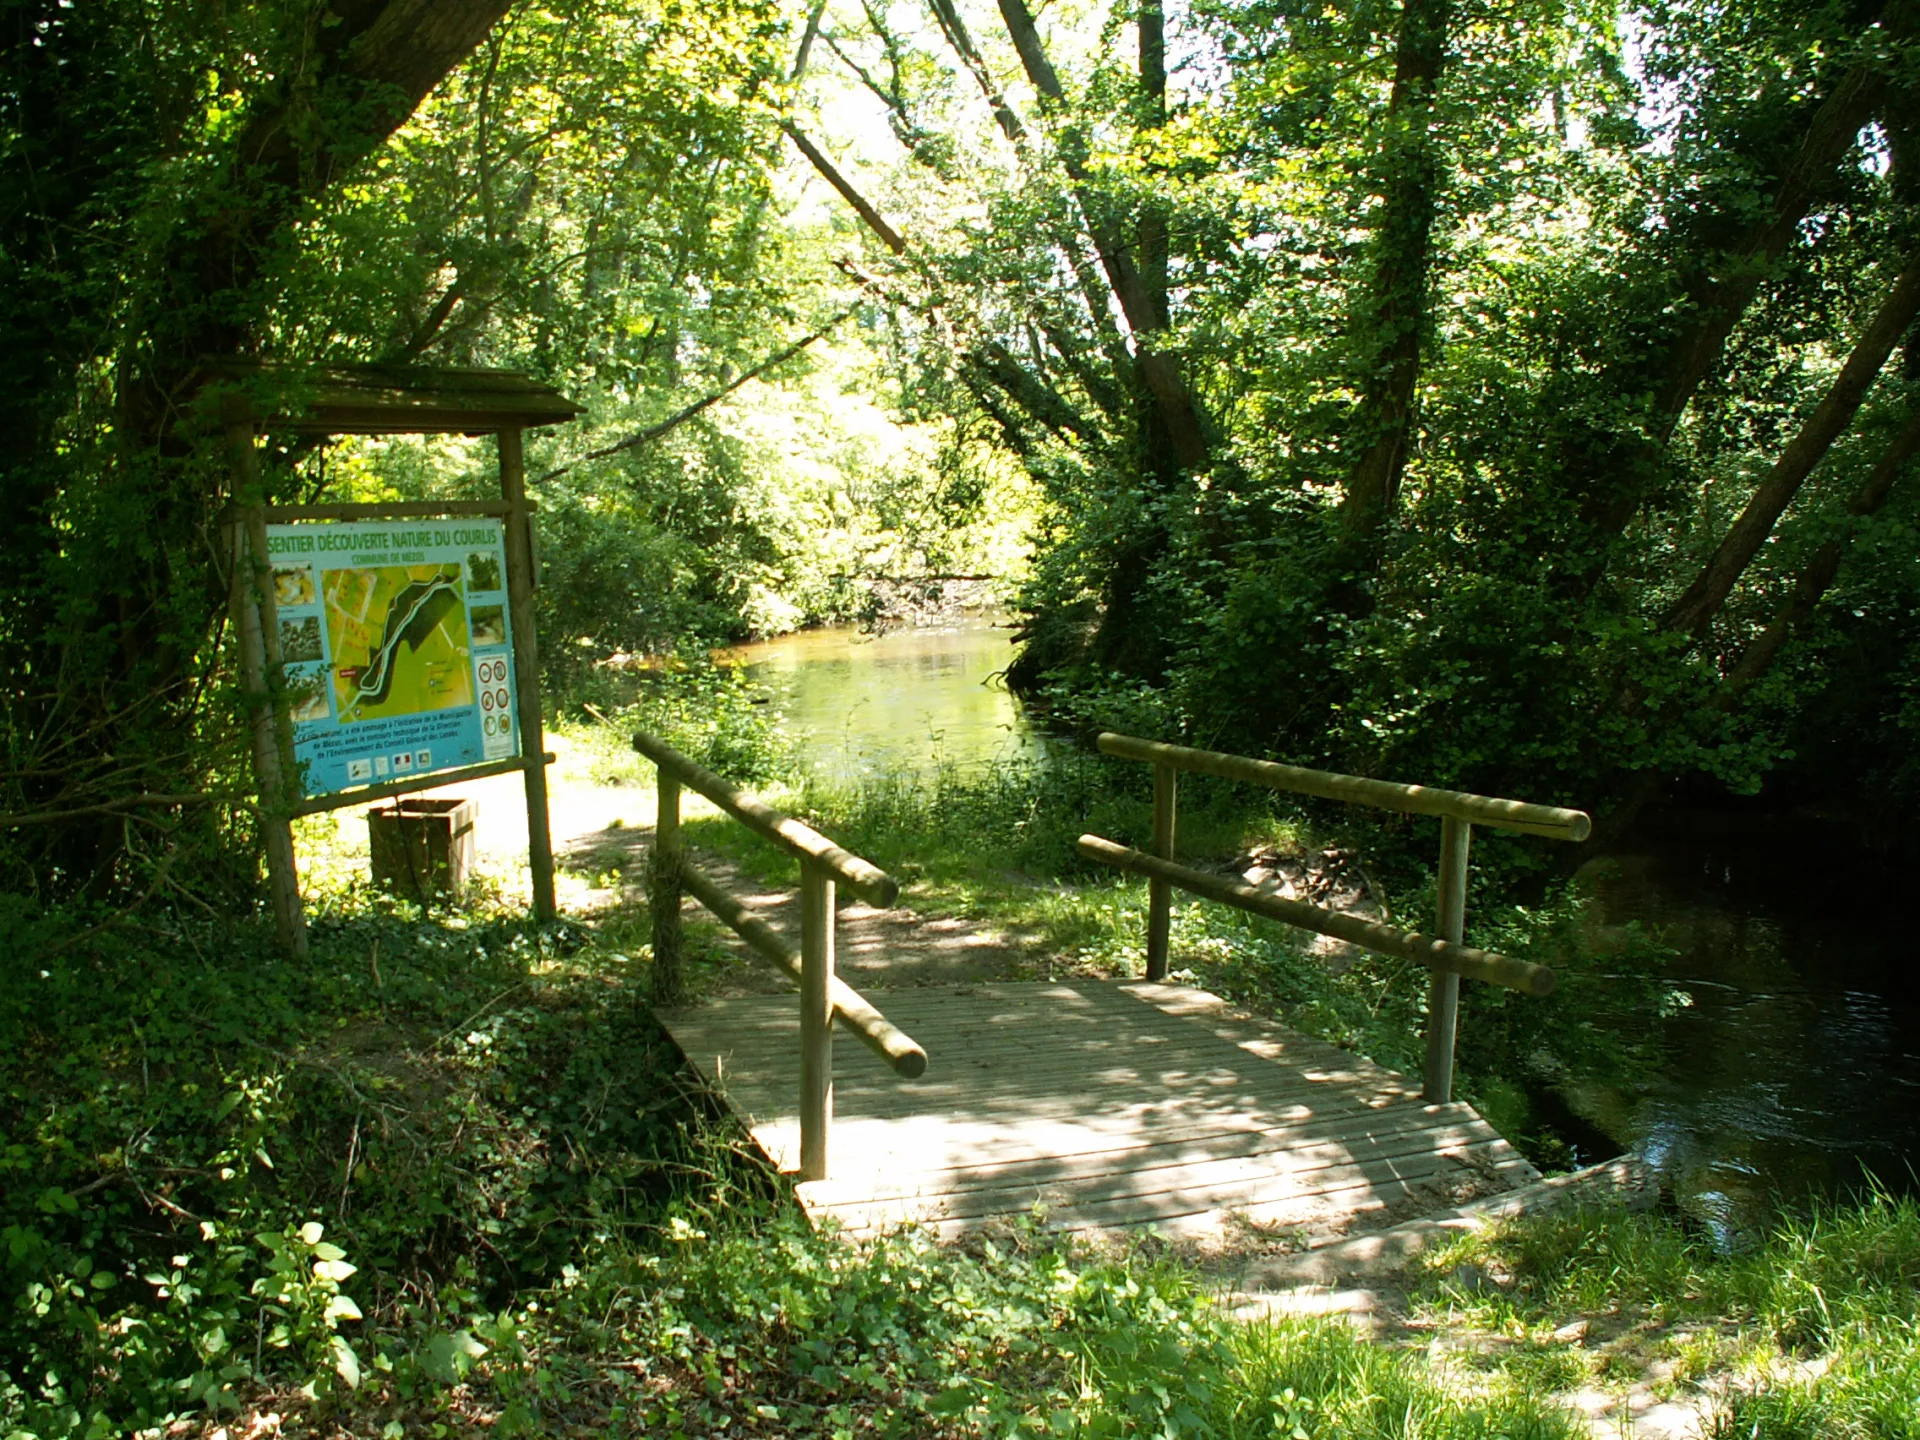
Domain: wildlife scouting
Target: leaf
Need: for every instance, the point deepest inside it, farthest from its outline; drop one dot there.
(467, 1345)
(448, 1358)
(311, 1232)
(951, 1401)
(346, 1364)
(327, 1250)
(334, 1270)
(341, 1307)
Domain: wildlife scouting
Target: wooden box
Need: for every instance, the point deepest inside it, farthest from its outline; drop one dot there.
(422, 849)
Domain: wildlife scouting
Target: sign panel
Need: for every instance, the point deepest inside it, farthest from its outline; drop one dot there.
(394, 640)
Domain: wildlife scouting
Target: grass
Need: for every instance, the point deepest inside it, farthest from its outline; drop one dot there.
(447, 1178)
(1814, 1332)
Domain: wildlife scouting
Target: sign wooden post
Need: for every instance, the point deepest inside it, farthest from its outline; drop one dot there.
(526, 665)
(256, 622)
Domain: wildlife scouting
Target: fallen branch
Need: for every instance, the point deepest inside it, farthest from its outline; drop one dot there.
(20, 818)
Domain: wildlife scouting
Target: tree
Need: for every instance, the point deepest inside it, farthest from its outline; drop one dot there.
(209, 181)
(1513, 309)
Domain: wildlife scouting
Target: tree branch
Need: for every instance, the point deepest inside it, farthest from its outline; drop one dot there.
(680, 417)
(1694, 610)
(890, 237)
(1820, 571)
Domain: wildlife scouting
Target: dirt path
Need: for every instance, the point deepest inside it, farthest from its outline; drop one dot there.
(600, 823)
(878, 949)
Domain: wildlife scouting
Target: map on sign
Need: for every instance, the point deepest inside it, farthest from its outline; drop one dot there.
(396, 646)
(400, 640)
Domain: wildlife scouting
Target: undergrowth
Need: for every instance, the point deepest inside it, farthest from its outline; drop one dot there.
(444, 1177)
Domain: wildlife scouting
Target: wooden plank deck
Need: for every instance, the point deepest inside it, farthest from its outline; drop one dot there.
(1108, 1105)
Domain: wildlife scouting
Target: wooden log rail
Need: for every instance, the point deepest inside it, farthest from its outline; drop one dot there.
(1429, 950)
(1445, 954)
(824, 997)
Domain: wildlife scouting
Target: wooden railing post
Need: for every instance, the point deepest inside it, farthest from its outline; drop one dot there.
(518, 534)
(663, 896)
(1443, 991)
(1166, 789)
(816, 1018)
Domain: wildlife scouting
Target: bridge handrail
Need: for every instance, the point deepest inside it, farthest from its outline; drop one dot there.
(824, 997)
(1446, 955)
(893, 1045)
(1549, 821)
(802, 841)
(1428, 950)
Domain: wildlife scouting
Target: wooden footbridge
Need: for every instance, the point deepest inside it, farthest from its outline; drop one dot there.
(1098, 1105)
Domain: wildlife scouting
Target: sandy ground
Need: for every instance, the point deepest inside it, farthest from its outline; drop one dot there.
(601, 832)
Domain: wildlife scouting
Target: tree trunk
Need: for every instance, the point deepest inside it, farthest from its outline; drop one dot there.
(1721, 292)
(1184, 423)
(1152, 224)
(1694, 611)
(1818, 574)
(1392, 318)
(118, 621)
(961, 39)
(1613, 472)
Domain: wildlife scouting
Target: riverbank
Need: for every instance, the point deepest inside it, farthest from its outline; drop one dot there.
(447, 1177)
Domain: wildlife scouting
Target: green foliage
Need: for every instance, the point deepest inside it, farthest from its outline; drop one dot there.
(703, 707)
(446, 1172)
(1508, 629)
(186, 1113)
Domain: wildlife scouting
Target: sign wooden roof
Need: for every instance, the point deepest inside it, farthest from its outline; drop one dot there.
(382, 399)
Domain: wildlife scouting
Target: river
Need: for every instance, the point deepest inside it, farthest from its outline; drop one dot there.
(906, 702)
(1793, 1072)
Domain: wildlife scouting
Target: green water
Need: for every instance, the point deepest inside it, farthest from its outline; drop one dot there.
(906, 702)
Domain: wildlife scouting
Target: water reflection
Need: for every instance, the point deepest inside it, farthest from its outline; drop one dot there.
(906, 702)
(1796, 1069)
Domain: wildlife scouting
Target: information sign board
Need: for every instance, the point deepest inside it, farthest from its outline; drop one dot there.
(395, 644)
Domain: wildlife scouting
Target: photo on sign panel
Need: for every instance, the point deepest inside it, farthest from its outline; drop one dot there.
(489, 625)
(483, 571)
(300, 640)
(292, 586)
(307, 697)
(400, 641)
